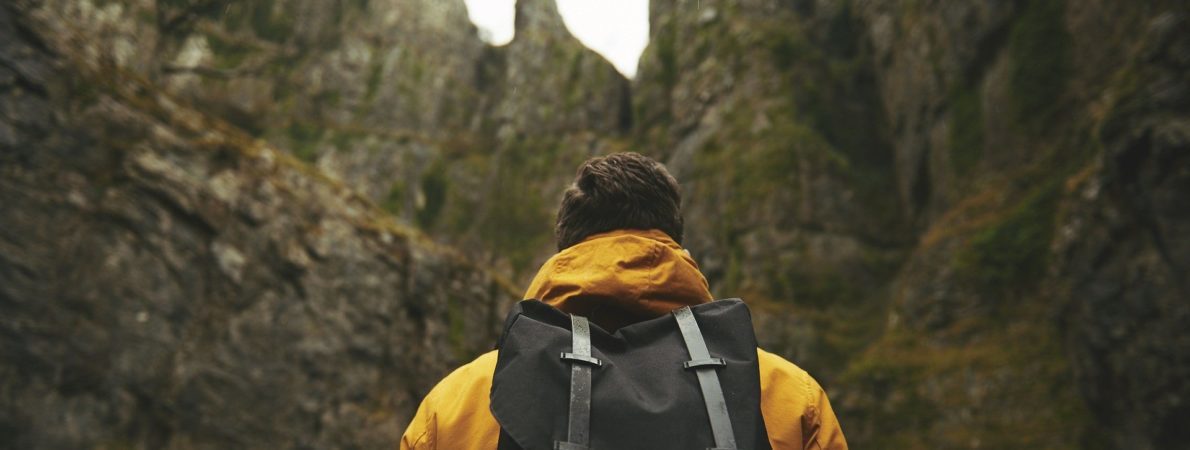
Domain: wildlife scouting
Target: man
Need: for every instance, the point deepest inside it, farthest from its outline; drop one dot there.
(620, 262)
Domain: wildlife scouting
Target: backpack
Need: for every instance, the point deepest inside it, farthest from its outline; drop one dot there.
(688, 380)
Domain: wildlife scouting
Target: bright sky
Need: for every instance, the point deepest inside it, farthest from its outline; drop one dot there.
(616, 29)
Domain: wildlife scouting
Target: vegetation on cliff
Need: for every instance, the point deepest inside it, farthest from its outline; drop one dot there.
(278, 222)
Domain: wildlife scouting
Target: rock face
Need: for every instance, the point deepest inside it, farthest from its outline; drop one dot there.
(397, 99)
(967, 219)
(773, 120)
(949, 212)
(168, 281)
(1124, 251)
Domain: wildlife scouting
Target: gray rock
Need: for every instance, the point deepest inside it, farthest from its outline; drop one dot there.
(167, 281)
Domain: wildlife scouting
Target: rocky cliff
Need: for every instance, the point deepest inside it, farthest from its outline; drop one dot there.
(170, 281)
(965, 217)
(231, 224)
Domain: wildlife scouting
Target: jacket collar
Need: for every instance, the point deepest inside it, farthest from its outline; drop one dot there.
(621, 277)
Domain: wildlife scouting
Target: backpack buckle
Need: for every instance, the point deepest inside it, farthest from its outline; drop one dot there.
(582, 359)
(701, 363)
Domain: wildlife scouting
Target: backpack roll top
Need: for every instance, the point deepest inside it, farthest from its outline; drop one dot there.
(645, 386)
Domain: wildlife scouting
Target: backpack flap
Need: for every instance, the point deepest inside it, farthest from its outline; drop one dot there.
(643, 396)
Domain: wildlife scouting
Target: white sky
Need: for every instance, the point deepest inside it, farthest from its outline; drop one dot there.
(616, 29)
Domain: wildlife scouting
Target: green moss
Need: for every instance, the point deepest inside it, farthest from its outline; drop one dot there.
(303, 132)
(328, 99)
(912, 386)
(375, 76)
(434, 188)
(741, 187)
(507, 204)
(843, 33)
(889, 376)
(667, 55)
(176, 8)
(575, 95)
(282, 66)
(519, 220)
(745, 166)
(342, 140)
(831, 92)
(305, 141)
(270, 26)
(228, 54)
(733, 272)
(306, 151)
(416, 70)
(787, 48)
(1012, 254)
(394, 200)
(753, 165)
(966, 129)
(236, 16)
(1039, 45)
(1128, 99)
(821, 289)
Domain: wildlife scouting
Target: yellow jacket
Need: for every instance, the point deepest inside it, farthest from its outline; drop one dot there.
(615, 279)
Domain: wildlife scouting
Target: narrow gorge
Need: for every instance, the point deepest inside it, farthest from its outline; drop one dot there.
(277, 223)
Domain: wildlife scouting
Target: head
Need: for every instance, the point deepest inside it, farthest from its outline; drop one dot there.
(616, 192)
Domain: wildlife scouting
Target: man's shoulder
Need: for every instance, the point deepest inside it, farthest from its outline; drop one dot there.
(480, 367)
(779, 366)
(454, 414)
(796, 410)
(778, 373)
(471, 377)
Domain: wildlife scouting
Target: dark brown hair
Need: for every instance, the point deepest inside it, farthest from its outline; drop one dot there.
(619, 191)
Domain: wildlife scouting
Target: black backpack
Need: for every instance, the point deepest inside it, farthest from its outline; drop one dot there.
(685, 381)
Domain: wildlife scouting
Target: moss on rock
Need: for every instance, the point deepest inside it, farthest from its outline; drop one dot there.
(1039, 45)
(966, 130)
(973, 384)
(1013, 253)
(304, 139)
(268, 25)
(434, 188)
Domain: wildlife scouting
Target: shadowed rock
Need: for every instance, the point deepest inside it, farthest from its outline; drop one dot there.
(166, 281)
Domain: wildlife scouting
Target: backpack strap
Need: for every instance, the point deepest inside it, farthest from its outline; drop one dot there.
(704, 365)
(578, 434)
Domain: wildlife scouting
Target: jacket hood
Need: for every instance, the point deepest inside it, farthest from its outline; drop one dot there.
(621, 277)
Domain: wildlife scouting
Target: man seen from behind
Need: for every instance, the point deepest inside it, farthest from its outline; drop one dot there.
(620, 262)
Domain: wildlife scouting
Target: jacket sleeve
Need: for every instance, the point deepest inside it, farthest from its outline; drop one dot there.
(455, 414)
(821, 427)
(423, 429)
